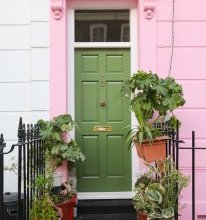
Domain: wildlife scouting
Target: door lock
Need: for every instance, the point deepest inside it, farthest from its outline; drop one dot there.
(102, 103)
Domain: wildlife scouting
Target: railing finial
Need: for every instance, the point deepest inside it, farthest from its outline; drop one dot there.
(1, 139)
(20, 129)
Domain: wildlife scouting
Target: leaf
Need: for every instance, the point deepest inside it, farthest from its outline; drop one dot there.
(138, 113)
(154, 215)
(153, 195)
(168, 213)
(140, 136)
(149, 133)
(57, 136)
(157, 187)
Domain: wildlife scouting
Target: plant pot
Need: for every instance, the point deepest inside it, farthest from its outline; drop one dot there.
(141, 216)
(151, 152)
(68, 208)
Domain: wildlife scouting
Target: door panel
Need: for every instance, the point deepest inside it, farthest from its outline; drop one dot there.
(90, 147)
(115, 167)
(114, 102)
(98, 102)
(89, 106)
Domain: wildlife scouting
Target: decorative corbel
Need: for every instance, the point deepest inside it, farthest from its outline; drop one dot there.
(149, 8)
(57, 9)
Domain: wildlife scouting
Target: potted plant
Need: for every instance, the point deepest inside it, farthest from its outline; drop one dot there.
(59, 146)
(158, 190)
(153, 100)
(43, 209)
(47, 205)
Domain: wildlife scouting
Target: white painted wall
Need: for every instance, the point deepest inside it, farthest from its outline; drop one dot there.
(24, 68)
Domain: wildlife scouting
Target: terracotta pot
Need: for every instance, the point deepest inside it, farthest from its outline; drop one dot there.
(68, 208)
(151, 152)
(141, 216)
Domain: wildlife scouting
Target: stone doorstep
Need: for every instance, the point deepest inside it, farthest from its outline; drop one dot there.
(111, 209)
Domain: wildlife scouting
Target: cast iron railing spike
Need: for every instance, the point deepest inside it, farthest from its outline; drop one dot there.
(20, 129)
(193, 175)
(2, 139)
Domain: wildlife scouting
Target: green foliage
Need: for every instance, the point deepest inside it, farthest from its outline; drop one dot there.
(43, 183)
(139, 199)
(43, 209)
(157, 197)
(59, 145)
(153, 99)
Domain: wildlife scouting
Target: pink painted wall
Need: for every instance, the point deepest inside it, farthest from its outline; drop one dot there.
(58, 57)
(190, 70)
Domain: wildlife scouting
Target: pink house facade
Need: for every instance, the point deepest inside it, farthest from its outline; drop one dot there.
(39, 58)
(150, 46)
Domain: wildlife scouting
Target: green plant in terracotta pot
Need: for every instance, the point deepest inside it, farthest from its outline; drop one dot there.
(45, 204)
(153, 100)
(158, 190)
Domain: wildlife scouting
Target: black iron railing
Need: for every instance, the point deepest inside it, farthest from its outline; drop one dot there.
(193, 149)
(30, 163)
(174, 147)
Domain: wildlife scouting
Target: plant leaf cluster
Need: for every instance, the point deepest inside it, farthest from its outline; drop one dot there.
(58, 143)
(42, 209)
(45, 203)
(158, 190)
(153, 99)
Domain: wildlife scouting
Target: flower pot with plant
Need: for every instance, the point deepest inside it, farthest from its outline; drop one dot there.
(153, 101)
(158, 190)
(59, 149)
(47, 205)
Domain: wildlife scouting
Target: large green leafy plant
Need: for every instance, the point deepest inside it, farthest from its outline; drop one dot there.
(58, 143)
(158, 190)
(153, 100)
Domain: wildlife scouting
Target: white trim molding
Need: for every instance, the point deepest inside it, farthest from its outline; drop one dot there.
(105, 195)
(133, 45)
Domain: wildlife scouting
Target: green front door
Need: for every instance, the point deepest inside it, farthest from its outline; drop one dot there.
(102, 114)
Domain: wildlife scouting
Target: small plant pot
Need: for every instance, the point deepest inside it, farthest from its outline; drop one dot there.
(151, 152)
(57, 179)
(141, 216)
(68, 208)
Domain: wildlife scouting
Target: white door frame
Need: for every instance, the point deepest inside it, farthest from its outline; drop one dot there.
(133, 45)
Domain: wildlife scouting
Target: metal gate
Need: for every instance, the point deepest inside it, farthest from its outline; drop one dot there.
(30, 164)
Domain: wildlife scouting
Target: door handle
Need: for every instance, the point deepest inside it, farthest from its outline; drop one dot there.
(102, 104)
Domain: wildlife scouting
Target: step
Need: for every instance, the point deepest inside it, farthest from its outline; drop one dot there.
(114, 216)
(107, 206)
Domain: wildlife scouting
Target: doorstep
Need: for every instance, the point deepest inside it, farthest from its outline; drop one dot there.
(107, 209)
